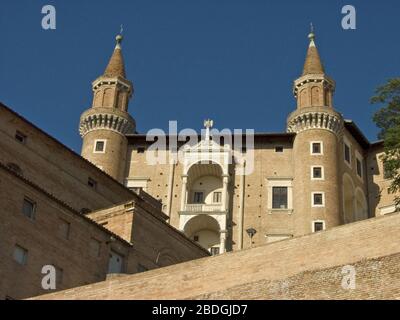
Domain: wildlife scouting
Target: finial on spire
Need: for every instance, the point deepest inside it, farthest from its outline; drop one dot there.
(311, 35)
(119, 38)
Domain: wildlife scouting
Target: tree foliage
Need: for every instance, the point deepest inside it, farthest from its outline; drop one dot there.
(387, 118)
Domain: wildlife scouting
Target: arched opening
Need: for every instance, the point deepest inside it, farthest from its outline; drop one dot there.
(206, 231)
(315, 96)
(361, 205)
(303, 98)
(205, 188)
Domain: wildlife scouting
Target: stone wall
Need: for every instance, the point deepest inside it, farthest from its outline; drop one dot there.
(307, 267)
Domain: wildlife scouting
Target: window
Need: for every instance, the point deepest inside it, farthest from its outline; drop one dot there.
(316, 148)
(347, 154)
(278, 149)
(217, 197)
(28, 208)
(359, 167)
(64, 229)
(94, 247)
(198, 197)
(20, 137)
(99, 146)
(279, 198)
(20, 255)
(196, 238)
(92, 183)
(317, 173)
(318, 226)
(214, 251)
(116, 263)
(318, 199)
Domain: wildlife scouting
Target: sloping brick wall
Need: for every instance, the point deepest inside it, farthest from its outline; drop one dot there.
(311, 264)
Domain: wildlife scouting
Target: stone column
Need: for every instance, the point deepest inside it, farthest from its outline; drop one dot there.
(225, 196)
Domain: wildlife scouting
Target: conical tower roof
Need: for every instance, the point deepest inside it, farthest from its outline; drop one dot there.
(313, 64)
(116, 66)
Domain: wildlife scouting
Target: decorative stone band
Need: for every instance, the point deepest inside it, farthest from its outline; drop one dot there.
(315, 120)
(96, 121)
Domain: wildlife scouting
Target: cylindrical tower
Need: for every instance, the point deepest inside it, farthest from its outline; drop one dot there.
(103, 127)
(318, 127)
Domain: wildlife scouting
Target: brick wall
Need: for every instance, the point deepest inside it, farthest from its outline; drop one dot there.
(315, 260)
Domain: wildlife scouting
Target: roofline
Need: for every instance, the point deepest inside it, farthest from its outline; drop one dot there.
(76, 155)
(357, 133)
(62, 203)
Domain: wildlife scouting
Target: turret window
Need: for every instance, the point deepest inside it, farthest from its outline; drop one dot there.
(100, 146)
(318, 199)
(317, 173)
(318, 225)
(316, 148)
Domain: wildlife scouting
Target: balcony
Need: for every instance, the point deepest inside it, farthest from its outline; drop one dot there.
(196, 208)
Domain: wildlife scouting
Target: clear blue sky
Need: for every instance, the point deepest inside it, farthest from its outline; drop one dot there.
(230, 60)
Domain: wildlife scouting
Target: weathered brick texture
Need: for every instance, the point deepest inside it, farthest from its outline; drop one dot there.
(307, 267)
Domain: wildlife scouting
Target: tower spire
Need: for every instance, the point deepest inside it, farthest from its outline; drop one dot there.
(313, 64)
(116, 65)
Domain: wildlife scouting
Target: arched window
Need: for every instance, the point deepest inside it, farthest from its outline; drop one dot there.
(315, 96)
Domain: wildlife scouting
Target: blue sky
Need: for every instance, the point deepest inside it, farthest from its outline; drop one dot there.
(231, 60)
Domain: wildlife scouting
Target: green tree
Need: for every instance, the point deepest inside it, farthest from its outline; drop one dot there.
(387, 118)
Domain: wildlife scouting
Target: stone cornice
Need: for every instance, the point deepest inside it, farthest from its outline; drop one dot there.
(313, 78)
(315, 118)
(100, 119)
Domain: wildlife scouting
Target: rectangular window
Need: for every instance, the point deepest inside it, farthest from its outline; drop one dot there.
(64, 229)
(278, 149)
(214, 251)
(318, 226)
(20, 255)
(115, 263)
(317, 173)
(347, 155)
(318, 199)
(28, 208)
(196, 238)
(279, 197)
(94, 248)
(99, 146)
(20, 137)
(198, 197)
(316, 148)
(359, 167)
(217, 197)
(92, 183)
